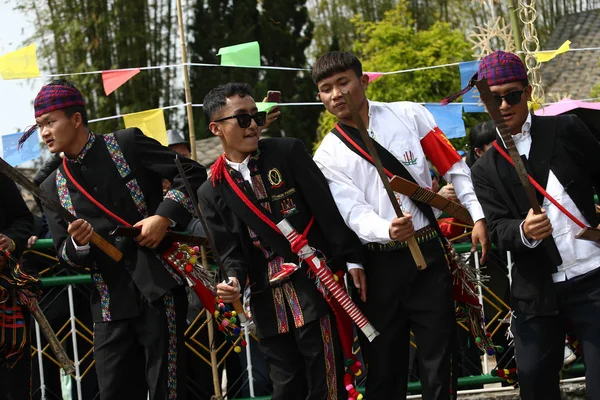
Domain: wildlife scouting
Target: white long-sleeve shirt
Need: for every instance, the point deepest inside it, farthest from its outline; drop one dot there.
(356, 186)
(578, 256)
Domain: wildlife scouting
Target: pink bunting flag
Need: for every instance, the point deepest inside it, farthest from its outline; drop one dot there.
(373, 75)
(114, 79)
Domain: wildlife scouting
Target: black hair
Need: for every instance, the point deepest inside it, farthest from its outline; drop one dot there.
(335, 62)
(216, 99)
(481, 134)
(70, 111)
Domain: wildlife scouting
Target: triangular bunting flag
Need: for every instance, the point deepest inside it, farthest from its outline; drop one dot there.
(113, 79)
(151, 122)
(265, 106)
(20, 64)
(543, 57)
(373, 75)
(245, 54)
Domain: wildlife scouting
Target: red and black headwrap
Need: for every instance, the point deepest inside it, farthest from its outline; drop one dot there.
(53, 97)
(498, 68)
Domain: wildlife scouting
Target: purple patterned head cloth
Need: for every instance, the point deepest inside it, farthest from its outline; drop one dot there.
(498, 68)
(50, 98)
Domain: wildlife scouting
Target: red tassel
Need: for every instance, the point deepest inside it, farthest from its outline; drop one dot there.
(217, 170)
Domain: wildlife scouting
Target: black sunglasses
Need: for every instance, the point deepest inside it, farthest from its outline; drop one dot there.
(512, 98)
(245, 119)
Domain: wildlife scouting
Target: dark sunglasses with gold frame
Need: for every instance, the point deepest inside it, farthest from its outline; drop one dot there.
(245, 119)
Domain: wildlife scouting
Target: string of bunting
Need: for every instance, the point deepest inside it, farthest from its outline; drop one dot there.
(22, 64)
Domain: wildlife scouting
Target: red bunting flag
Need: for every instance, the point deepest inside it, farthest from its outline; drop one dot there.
(373, 75)
(113, 79)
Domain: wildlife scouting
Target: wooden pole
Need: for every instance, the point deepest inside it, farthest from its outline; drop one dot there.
(186, 78)
(211, 337)
(516, 28)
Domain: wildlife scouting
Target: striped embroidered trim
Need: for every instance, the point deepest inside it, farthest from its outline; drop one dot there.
(169, 302)
(171, 271)
(256, 242)
(260, 191)
(124, 170)
(86, 148)
(102, 288)
(181, 198)
(63, 193)
(329, 352)
(294, 303)
(279, 302)
(65, 257)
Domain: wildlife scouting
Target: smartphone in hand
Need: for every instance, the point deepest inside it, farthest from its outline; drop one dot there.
(274, 96)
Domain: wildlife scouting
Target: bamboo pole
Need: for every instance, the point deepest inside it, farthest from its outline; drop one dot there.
(516, 28)
(211, 337)
(186, 78)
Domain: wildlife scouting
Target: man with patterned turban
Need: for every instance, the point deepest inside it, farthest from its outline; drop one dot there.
(139, 304)
(561, 154)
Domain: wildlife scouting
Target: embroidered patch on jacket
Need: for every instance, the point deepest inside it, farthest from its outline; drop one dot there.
(124, 170)
(172, 350)
(181, 198)
(288, 207)
(102, 288)
(409, 158)
(275, 178)
(329, 350)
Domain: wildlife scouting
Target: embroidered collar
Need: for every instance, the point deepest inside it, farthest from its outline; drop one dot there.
(86, 148)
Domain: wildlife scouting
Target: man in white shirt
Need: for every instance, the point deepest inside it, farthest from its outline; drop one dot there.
(401, 298)
(546, 296)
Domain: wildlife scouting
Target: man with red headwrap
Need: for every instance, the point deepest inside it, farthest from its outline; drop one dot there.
(561, 154)
(139, 304)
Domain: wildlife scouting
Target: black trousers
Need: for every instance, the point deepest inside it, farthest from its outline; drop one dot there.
(144, 354)
(401, 298)
(307, 362)
(540, 340)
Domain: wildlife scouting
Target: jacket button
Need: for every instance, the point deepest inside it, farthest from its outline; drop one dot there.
(127, 262)
(83, 168)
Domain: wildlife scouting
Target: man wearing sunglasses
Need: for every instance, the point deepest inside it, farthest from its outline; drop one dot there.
(256, 182)
(561, 154)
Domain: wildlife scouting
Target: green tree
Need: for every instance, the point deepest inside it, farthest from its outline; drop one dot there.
(392, 44)
(96, 35)
(284, 31)
(217, 24)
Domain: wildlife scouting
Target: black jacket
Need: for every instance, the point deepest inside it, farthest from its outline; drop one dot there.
(564, 145)
(301, 193)
(141, 270)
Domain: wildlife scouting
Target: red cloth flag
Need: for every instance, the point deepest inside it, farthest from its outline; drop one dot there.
(113, 79)
(439, 150)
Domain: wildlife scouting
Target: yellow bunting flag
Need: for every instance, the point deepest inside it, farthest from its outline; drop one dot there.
(20, 64)
(547, 56)
(151, 122)
(245, 54)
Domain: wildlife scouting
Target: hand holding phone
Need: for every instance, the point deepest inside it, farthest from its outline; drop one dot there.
(273, 96)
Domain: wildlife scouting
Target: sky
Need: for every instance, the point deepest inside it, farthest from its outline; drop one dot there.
(16, 96)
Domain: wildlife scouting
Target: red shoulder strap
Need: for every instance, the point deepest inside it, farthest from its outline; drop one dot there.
(90, 198)
(542, 190)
